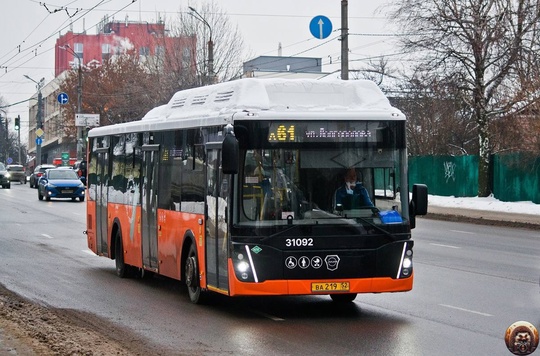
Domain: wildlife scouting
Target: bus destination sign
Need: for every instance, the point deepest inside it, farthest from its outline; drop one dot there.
(322, 132)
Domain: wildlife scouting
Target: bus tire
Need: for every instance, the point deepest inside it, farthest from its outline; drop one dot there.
(122, 270)
(343, 298)
(192, 276)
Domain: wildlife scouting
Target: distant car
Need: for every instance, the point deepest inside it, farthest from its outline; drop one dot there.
(4, 177)
(60, 183)
(17, 173)
(38, 172)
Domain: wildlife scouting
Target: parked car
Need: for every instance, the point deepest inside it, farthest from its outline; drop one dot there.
(60, 183)
(38, 172)
(16, 173)
(4, 177)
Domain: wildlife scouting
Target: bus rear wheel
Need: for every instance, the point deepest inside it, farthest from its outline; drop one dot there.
(122, 270)
(191, 272)
(343, 298)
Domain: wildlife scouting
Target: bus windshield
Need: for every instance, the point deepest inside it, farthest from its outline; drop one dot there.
(322, 186)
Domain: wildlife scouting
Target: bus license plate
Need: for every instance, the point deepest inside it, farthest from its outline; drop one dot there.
(330, 287)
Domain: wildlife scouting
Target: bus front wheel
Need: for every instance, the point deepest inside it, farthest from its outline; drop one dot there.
(192, 276)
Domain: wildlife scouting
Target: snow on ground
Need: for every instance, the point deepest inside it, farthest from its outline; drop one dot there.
(486, 204)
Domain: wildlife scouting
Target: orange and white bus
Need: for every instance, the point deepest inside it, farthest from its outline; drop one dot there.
(231, 188)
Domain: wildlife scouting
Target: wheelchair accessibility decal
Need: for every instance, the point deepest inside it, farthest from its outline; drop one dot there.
(316, 262)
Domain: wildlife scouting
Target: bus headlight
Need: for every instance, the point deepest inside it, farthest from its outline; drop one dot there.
(242, 266)
(407, 263)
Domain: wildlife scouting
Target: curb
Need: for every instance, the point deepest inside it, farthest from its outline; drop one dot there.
(490, 218)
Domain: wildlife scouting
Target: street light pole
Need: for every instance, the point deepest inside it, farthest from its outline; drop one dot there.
(39, 118)
(80, 141)
(199, 17)
(19, 138)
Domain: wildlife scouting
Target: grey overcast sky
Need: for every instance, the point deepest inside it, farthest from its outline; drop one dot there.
(29, 29)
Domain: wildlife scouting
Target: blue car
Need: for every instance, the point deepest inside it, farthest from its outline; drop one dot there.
(60, 183)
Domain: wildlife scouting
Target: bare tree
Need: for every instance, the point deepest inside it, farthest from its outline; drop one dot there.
(376, 71)
(490, 47)
(438, 121)
(227, 41)
(119, 90)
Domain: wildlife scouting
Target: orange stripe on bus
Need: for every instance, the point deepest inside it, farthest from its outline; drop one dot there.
(303, 287)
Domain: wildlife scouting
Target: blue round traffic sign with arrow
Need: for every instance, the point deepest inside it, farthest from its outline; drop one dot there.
(63, 98)
(320, 27)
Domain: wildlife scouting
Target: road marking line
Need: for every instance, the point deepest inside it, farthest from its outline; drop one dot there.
(463, 232)
(441, 245)
(47, 236)
(465, 310)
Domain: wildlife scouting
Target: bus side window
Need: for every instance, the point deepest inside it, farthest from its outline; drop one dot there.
(193, 184)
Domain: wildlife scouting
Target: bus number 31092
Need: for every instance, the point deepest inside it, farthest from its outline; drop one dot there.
(299, 242)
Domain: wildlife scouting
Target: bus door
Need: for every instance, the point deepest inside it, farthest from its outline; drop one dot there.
(216, 219)
(102, 183)
(149, 192)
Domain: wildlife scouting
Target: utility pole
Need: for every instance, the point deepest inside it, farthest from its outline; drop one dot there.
(344, 40)
(6, 136)
(81, 144)
(18, 128)
(39, 118)
(80, 138)
(39, 125)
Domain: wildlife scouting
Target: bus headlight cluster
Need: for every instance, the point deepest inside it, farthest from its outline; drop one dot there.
(405, 266)
(244, 266)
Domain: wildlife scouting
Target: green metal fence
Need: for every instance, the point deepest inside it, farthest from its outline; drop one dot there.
(446, 175)
(515, 176)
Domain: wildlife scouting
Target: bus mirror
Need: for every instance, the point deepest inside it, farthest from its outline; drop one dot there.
(229, 154)
(420, 199)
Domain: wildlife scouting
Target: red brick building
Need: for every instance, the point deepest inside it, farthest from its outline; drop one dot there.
(150, 40)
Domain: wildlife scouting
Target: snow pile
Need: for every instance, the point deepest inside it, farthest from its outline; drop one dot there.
(485, 204)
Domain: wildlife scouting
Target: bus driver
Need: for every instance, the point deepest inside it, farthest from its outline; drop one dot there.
(352, 195)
